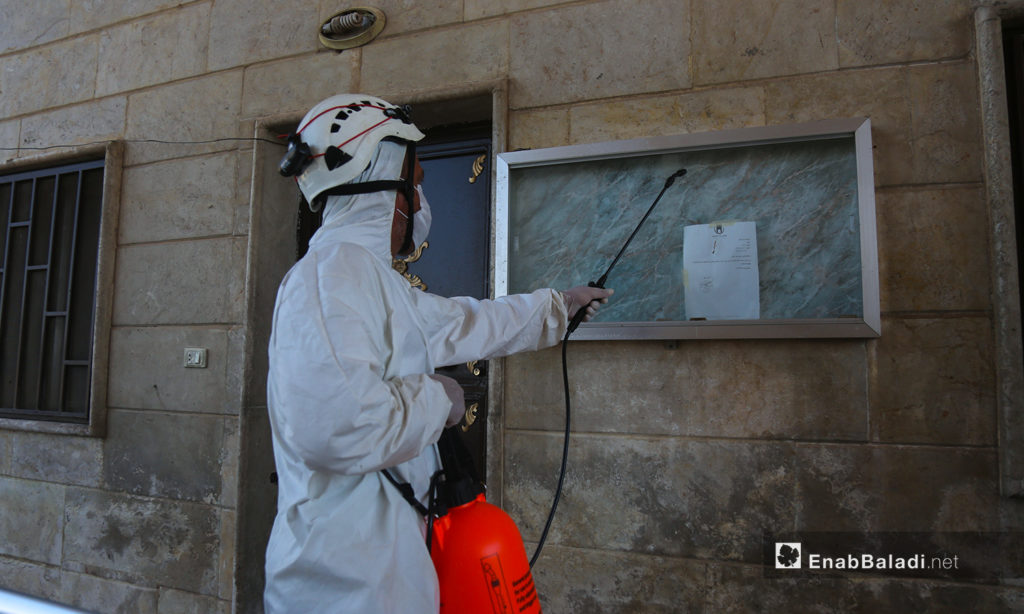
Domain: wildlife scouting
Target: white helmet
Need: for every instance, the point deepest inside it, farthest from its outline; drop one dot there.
(337, 138)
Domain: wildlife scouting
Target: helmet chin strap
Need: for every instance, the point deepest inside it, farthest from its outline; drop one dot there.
(409, 188)
(405, 185)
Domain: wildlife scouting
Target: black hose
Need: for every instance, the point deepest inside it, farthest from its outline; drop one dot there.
(577, 319)
(565, 452)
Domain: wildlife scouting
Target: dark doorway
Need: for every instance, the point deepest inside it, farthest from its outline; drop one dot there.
(456, 165)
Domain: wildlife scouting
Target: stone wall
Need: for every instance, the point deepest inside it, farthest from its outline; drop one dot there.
(683, 453)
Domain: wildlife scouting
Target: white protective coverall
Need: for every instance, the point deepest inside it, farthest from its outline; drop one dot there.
(349, 394)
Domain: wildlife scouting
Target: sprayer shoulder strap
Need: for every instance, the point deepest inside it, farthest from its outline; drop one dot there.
(365, 187)
(407, 493)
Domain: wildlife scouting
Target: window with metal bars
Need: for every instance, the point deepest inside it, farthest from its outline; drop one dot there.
(49, 242)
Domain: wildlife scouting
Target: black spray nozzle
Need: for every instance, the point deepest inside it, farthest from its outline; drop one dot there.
(672, 178)
(582, 312)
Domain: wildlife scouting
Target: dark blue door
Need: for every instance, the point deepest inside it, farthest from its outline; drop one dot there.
(455, 262)
(457, 183)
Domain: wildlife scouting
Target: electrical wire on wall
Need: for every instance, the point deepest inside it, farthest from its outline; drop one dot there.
(157, 141)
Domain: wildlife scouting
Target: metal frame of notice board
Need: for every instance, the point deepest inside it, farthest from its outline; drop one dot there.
(562, 212)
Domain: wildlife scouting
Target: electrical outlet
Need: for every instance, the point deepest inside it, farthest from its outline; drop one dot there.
(195, 358)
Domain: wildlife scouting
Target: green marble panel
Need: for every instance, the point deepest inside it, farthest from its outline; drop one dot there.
(567, 221)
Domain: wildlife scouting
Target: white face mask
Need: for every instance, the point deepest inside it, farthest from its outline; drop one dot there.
(421, 223)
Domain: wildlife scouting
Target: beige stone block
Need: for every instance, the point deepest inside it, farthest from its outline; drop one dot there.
(21, 28)
(932, 382)
(895, 488)
(244, 32)
(879, 94)
(237, 368)
(181, 602)
(296, 84)
(200, 109)
(184, 282)
(257, 500)
(924, 119)
(402, 16)
(665, 115)
(945, 123)
(10, 134)
(747, 588)
(581, 52)
(5, 451)
(478, 9)
(229, 461)
(433, 60)
(659, 496)
(171, 455)
(156, 205)
(100, 120)
(101, 595)
(889, 31)
(243, 191)
(32, 522)
(536, 129)
(51, 76)
(142, 537)
(771, 389)
(933, 249)
(147, 370)
(157, 49)
(30, 578)
(88, 15)
(740, 41)
(57, 458)
(227, 563)
(583, 580)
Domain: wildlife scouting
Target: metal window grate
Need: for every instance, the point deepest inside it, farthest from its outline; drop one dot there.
(49, 240)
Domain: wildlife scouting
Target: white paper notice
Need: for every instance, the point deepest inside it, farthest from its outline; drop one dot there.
(720, 271)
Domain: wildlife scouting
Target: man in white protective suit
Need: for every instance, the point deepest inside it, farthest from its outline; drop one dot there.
(351, 388)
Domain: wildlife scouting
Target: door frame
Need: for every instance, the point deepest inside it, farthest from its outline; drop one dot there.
(1006, 302)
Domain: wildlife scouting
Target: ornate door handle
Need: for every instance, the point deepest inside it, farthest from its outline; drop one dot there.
(470, 417)
(478, 167)
(402, 266)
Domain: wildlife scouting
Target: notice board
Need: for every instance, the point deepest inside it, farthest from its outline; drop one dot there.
(805, 192)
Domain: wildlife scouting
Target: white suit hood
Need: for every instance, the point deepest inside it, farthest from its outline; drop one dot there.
(349, 394)
(365, 219)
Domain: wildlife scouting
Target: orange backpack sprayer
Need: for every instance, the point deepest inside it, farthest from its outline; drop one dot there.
(481, 562)
(476, 547)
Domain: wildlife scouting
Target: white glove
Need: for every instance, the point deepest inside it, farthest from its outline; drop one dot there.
(455, 395)
(585, 296)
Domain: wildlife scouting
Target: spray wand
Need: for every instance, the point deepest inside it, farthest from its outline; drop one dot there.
(573, 324)
(582, 312)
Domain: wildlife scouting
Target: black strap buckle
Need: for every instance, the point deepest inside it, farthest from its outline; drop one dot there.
(407, 493)
(403, 113)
